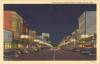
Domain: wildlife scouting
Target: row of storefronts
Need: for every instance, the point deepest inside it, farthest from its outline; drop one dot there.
(14, 27)
(85, 34)
(17, 33)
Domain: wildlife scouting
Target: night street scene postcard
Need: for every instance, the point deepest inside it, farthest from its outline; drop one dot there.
(49, 32)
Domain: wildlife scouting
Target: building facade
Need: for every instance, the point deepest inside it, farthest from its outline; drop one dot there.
(13, 27)
(87, 27)
(87, 22)
(7, 39)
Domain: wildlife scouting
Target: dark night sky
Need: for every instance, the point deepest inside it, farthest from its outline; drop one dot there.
(57, 19)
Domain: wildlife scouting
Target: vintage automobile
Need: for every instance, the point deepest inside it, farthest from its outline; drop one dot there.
(88, 49)
(11, 53)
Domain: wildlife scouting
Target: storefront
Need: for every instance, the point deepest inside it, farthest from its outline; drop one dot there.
(7, 39)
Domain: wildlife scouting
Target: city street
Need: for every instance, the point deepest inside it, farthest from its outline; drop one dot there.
(50, 32)
(56, 55)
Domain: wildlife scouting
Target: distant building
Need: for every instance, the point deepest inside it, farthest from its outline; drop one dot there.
(87, 22)
(34, 34)
(25, 28)
(45, 37)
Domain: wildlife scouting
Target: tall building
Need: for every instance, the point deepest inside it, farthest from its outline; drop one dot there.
(12, 28)
(13, 22)
(87, 27)
(87, 22)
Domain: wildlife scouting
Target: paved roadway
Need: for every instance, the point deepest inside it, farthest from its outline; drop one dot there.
(69, 55)
(57, 55)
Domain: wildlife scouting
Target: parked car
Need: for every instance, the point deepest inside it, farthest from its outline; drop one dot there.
(30, 50)
(88, 49)
(68, 48)
(36, 49)
(11, 53)
(22, 51)
(45, 47)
